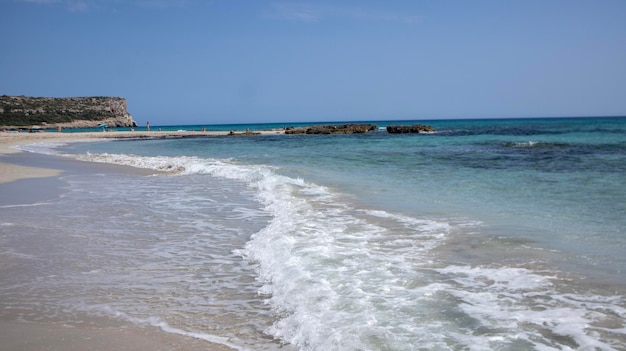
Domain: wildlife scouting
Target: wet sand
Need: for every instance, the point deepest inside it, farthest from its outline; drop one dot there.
(31, 336)
(27, 178)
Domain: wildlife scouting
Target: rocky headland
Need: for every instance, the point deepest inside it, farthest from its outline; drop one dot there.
(73, 112)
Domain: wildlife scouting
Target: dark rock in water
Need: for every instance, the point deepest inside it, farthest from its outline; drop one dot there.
(332, 129)
(246, 133)
(416, 128)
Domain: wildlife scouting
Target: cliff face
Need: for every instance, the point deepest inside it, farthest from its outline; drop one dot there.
(75, 112)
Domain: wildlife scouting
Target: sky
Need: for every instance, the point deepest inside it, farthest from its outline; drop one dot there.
(236, 61)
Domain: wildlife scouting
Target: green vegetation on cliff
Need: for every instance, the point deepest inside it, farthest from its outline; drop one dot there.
(29, 111)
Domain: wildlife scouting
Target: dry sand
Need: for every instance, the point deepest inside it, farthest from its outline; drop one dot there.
(18, 335)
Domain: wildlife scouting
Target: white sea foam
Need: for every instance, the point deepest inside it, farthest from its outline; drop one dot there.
(343, 278)
(27, 205)
(326, 268)
(157, 322)
(46, 147)
(528, 304)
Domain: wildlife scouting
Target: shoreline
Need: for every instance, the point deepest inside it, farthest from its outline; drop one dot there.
(10, 172)
(27, 178)
(57, 336)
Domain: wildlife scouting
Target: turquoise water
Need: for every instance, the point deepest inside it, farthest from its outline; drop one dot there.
(535, 174)
(488, 234)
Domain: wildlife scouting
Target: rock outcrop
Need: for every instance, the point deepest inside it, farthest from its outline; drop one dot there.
(75, 112)
(332, 129)
(246, 133)
(416, 128)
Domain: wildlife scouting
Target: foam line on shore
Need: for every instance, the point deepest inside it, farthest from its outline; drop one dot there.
(10, 142)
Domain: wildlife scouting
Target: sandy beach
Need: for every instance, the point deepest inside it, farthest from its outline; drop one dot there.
(11, 172)
(30, 181)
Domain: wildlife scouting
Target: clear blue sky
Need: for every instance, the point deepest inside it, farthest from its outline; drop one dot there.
(229, 61)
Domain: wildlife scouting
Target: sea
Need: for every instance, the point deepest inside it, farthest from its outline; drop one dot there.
(492, 234)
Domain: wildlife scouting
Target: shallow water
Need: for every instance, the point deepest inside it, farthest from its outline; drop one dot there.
(501, 235)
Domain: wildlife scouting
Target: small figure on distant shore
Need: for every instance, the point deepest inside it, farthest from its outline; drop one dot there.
(148, 126)
(59, 129)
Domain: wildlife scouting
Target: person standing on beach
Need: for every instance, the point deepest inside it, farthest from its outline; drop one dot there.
(148, 126)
